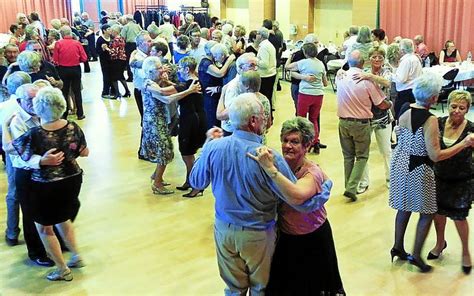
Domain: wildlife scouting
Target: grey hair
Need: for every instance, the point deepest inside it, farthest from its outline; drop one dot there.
(243, 108)
(245, 59)
(355, 58)
(204, 32)
(55, 23)
(150, 67)
(55, 33)
(208, 46)
(218, 32)
(153, 29)
(426, 86)
(311, 38)
(364, 35)
(299, 125)
(29, 61)
(16, 79)
(226, 29)
(460, 95)
(65, 31)
(116, 28)
(251, 80)
(140, 37)
(393, 53)
(49, 104)
(353, 30)
(22, 90)
(264, 33)
(407, 45)
(42, 83)
(419, 38)
(219, 48)
(30, 31)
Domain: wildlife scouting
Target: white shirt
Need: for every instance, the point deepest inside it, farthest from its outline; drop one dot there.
(231, 92)
(266, 56)
(347, 45)
(138, 75)
(8, 108)
(408, 70)
(21, 123)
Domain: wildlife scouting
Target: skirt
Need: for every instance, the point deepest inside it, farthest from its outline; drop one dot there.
(55, 202)
(305, 265)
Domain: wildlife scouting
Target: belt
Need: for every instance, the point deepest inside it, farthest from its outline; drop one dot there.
(365, 120)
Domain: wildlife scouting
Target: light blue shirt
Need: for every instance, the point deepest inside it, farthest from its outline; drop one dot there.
(245, 194)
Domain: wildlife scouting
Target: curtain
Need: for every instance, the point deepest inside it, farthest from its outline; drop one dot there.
(47, 10)
(437, 20)
(129, 5)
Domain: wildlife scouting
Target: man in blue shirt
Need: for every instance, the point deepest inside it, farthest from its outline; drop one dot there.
(246, 199)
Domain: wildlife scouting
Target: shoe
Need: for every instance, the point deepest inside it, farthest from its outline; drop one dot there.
(127, 95)
(129, 80)
(322, 146)
(75, 262)
(161, 191)
(350, 195)
(58, 275)
(11, 241)
(362, 189)
(402, 255)
(81, 117)
(432, 256)
(43, 261)
(466, 269)
(315, 148)
(152, 177)
(184, 187)
(190, 194)
(420, 264)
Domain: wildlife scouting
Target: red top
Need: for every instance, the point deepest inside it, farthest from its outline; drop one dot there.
(117, 49)
(69, 52)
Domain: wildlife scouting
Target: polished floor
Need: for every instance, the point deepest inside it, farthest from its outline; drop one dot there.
(137, 243)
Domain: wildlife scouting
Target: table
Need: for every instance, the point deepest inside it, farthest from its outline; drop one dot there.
(336, 64)
(466, 71)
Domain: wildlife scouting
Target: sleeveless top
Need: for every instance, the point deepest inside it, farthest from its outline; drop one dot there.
(450, 58)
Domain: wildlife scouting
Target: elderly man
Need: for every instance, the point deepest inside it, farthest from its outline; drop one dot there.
(154, 31)
(246, 62)
(197, 45)
(408, 70)
(11, 53)
(347, 45)
(68, 54)
(168, 30)
(354, 103)
(266, 56)
(188, 24)
(129, 33)
(421, 48)
(246, 199)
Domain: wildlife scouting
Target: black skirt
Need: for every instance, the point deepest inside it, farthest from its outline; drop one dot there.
(117, 67)
(56, 202)
(305, 265)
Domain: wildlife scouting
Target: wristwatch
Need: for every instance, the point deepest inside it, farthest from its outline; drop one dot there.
(274, 174)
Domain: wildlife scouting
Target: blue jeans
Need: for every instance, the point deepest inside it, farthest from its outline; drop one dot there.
(13, 206)
(295, 89)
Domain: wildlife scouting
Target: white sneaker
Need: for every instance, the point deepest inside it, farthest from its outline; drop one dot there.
(58, 275)
(75, 262)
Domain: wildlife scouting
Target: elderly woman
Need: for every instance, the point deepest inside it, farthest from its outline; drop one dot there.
(53, 37)
(381, 121)
(363, 44)
(412, 179)
(454, 177)
(252, 45)
(210, 77)
(182, 50)
(310, 94)
(408, 70)
(118, 61)
(305, 240)
(31, 33)
(103, 42)
(449, 55)
(156, 144)
(30, 61)
(55, 188)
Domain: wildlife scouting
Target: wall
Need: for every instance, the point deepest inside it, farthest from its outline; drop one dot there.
(283, 16)
(237, 10)
(331, 19)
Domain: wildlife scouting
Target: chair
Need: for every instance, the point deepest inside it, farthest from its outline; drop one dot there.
(322, 54)
(331, 73)
(447, 89)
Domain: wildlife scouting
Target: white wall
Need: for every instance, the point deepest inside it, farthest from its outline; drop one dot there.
(282, 15)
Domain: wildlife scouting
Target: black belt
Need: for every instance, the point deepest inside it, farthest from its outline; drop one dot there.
(365, 120)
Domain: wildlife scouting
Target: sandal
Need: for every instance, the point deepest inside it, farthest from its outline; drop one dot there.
(58, 275)
(161, 191)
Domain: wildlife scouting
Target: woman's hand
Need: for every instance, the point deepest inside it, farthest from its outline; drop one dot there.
(469, 141)
(264, 157)
(361, 76)
(214, 133)
(195, 87)
(211, 90)
(309, 78)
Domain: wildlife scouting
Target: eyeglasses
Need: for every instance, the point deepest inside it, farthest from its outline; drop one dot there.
(379, 58)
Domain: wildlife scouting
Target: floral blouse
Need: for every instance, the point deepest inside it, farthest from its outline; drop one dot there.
(117, 49)
(69, 139)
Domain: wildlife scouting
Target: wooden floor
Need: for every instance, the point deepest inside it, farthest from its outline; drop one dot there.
(137, 243)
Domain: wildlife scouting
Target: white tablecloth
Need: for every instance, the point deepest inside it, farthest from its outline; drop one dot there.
(466, 72)
(336, 64)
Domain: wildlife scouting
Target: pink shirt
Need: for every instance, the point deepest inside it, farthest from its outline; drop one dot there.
(293, 222)
(355, 99)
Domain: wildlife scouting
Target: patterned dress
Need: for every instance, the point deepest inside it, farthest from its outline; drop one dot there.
(454, 178)
(412, 180)
(156, 140)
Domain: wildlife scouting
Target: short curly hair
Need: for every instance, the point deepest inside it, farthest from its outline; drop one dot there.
(298, 125)
(49, 104)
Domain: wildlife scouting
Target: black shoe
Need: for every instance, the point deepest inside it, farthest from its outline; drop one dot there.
(184, 187)
(420, 264)
(402, 255)
(127, 95)
(130, 80)
(11, 241)
(81, 117)
(43, 261)
(432, 256)
(350, 195)
(196, 193)
(466, 269)
(315, 149)
(322, 146)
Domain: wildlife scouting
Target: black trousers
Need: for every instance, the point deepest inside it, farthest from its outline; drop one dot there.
(129, 48)
(71, 77)
(266, 88)
(106, 82)
(404, 97)
(92, 53)
(138, 98)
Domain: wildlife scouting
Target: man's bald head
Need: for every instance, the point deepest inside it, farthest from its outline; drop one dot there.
(355, 59)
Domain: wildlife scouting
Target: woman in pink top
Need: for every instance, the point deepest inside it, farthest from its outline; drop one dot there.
(305, 261)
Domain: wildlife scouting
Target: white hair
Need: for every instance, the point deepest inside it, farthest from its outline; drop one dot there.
(264, 33)
(243, 108)
(406, 45)
(226, 29)
(219, 49)
(65, 31)
(28, 61)
(56, 23)
(22, 92)
(245, 59)
(150, 67)
(49, 104)
(426, 86)
(310, 38)
(16, 79)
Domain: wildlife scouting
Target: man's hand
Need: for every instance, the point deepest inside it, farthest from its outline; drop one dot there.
(214, 133)
(52, 159)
